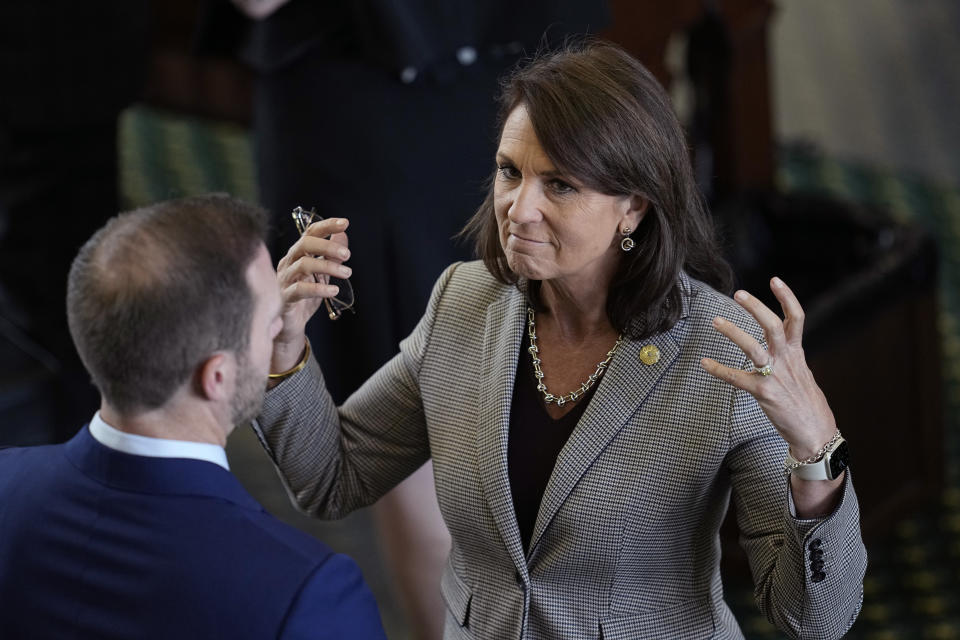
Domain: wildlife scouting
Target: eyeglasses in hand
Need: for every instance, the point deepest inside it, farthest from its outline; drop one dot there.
(344, 300)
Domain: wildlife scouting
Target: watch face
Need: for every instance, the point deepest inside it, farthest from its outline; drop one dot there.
(839, 459)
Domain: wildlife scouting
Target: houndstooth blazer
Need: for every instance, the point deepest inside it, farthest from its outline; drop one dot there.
(626, 541)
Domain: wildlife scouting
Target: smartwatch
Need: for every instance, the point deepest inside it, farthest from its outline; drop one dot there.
(835, 459)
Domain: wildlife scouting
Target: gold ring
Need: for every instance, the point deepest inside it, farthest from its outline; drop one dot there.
(764, 371)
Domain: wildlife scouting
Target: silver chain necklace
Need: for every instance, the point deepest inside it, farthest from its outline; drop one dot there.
(575, 395)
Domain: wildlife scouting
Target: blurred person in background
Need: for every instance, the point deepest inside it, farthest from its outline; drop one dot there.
(385, 111)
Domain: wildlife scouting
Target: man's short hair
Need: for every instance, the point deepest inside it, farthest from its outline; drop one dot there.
(158, 290)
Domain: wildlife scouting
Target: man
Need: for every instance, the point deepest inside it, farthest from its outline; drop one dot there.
(135, 528)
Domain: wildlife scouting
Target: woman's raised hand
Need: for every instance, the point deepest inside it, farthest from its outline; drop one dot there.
(303, 275)
(788, 394)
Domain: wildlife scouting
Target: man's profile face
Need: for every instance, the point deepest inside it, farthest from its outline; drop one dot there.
(254, 365)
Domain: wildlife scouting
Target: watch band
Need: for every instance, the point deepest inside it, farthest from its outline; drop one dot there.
(817, 470)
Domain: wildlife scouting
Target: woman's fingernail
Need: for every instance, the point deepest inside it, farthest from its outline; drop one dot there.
(343, 253)
(777, 282)
(341, 222)
(346, 272)
(740, 296)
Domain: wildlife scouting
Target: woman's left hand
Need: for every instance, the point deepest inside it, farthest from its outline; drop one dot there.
(788, 395)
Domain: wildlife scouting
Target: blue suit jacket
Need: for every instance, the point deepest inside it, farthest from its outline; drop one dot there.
(95, 543)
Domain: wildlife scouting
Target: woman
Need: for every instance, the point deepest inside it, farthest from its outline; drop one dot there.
(589, 400)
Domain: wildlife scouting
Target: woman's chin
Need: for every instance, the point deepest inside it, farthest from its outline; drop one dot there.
(525, 267)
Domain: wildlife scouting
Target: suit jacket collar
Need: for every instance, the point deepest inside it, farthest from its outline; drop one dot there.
(155, 476)
(620, 393)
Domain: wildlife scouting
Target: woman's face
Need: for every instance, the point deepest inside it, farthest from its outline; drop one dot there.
(551, 226)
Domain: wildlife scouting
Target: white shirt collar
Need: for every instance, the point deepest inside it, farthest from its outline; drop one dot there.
(155, 447)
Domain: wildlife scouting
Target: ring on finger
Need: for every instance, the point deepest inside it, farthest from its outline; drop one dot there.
(763, 371)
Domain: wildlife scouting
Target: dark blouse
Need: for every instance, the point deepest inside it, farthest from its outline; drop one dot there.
(535, 442)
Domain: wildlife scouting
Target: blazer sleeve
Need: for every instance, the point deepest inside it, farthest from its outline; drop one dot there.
(782, 548)
(333, 603)
(334, 461)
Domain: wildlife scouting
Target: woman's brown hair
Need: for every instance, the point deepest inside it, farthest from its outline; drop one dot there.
(603, 119)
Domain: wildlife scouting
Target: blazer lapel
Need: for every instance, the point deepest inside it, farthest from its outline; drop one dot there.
(620, 394)
(501, 348)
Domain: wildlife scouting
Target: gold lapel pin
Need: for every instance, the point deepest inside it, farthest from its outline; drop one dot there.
(649, 354)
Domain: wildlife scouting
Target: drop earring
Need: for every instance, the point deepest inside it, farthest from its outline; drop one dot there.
(627, 244)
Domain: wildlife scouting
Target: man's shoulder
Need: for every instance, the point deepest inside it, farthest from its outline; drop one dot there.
(15, 460)
(16, 452)
(209, 541)
(272, 561)
(283, 540)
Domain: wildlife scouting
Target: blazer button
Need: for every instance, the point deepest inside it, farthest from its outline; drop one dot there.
(816, 566)
(516, 576)
(814, 544)
(816, 554)
(818, 576)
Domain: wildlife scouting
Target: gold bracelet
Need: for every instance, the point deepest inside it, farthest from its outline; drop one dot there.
(300, 365)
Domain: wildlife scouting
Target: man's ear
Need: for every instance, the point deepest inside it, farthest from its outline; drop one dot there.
(637, 209)
(215, 377)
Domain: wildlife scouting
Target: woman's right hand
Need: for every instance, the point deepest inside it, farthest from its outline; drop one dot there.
(303, 275)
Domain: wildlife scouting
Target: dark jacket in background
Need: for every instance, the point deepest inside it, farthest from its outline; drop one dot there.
(394, 34)
(383, 111)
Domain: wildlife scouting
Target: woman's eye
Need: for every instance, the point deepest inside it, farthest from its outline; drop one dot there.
(508, 172)
(560, 187)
